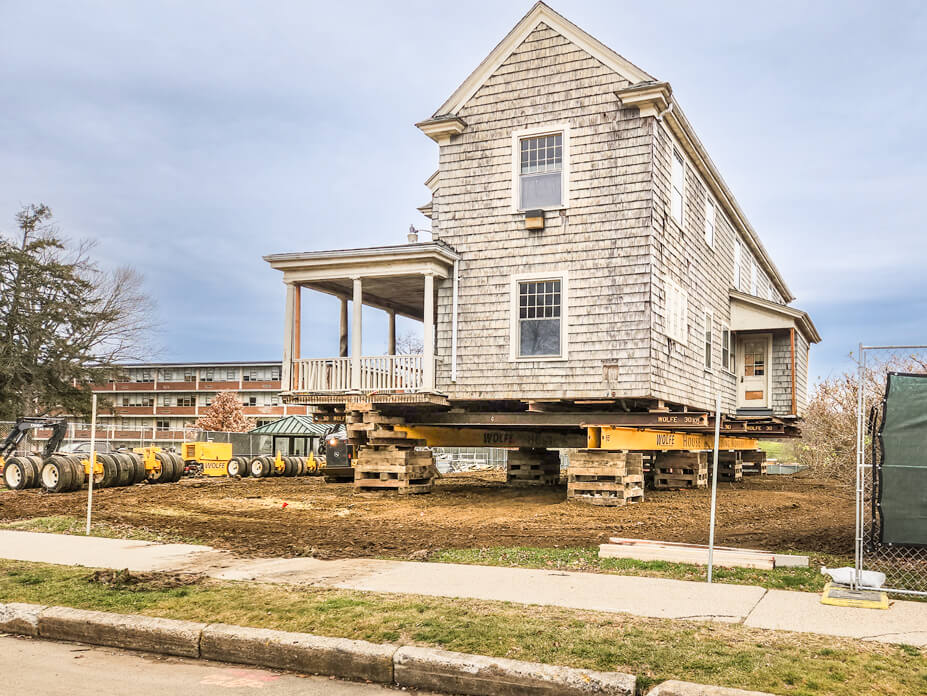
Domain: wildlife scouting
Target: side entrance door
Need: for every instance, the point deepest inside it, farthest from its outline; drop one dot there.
(753, 353)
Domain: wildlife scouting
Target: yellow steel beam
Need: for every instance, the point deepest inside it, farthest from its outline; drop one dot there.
(613, 438)
(438, 436)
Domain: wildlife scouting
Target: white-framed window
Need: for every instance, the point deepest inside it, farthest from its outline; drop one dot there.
(727, 355)
(274, 374)
(185, 400)
(709, 220)
(189, 375)
(539, 316)
(163, 424)
(541, 168)
(754, 280)
(230, 376)
(208, 376)
(167, 376)
(678, 184)
(709, 320)
(738, 260)
(677, 312)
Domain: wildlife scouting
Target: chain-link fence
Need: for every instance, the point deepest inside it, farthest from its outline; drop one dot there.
(904, 564)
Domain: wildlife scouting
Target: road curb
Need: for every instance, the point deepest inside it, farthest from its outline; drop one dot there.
(425, 668)
(460, 673)
(146, 633)
(681, 688)
(299, 652)
(21, 619)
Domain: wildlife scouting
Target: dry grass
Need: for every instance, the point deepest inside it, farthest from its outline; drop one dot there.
(653, 649)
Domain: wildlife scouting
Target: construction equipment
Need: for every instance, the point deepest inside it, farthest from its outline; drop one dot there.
(281, 465)
(216, 459)
(210, 458)
(25, 471)
(339, 457)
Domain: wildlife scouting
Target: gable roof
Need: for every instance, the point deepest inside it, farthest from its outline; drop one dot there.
(539, 14)
(294, 426)
(764, 310)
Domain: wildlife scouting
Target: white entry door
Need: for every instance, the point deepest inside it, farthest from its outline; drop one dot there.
(753, 353)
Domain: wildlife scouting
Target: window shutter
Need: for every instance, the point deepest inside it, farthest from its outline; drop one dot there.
(677, 306)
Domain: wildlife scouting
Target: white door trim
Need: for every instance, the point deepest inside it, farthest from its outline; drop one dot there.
(767, 400)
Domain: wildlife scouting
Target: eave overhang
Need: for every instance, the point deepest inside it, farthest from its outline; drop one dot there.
(757, 307)
(442, 128)
(656, 99)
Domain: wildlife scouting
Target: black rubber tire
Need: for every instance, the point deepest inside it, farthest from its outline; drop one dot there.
(78, 475)
(303, 466)
(245, 466)
(18, 473)
(36, 464)
(166, 475)
(289, 466)
(57, 475)
(179, 466)
(110, 472)
(138, 464)
(237, 466)
(124, 469)
(259, 467)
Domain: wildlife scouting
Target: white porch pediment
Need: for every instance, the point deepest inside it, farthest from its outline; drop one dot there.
(749, 313)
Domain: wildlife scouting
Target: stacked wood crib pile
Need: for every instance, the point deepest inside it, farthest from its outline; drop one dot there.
(754, 462)
(674, 470)
(730, 466)
(601, 477)
(387, 460)
(532, 467)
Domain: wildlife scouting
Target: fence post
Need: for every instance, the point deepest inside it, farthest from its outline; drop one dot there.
(714, 488)
(93, 457)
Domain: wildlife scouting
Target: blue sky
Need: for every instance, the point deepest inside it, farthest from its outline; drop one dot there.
(191, 138)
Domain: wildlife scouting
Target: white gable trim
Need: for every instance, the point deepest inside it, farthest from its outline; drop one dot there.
(539, 14)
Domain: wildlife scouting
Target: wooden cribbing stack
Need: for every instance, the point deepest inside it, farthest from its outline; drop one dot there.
(602, 477)
(730, 466)
(680, 470)
(754, 462)
(387, 460)
(528, 466)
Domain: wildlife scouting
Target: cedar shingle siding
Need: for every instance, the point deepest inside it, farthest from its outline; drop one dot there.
(616, 240)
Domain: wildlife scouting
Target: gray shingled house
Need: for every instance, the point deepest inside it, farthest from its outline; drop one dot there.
(586, 258)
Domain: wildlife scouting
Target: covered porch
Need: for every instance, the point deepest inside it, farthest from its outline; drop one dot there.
(769, 354)
(400, 280)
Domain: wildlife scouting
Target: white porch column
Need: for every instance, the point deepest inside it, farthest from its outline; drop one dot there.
(391, 341)
(286, 379)
(356, 345)
(343, 331)
(428, 376)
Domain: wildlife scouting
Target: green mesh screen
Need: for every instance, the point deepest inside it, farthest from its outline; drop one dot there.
(902, 473)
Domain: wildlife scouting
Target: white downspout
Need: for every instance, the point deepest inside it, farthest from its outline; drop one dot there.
(454, 323)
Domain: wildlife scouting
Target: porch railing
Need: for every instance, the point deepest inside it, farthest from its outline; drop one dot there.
(393, 373)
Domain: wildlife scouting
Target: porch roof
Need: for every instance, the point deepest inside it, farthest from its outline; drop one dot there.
(749, 313)
(393, 276)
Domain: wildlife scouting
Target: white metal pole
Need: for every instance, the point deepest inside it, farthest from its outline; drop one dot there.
(93, 457)
(860, 462)
(714, 488)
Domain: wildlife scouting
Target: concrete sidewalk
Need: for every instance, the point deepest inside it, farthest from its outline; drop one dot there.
(904, 622)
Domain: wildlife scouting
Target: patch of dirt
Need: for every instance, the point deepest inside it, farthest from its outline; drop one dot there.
(126, 580)
(472, 510)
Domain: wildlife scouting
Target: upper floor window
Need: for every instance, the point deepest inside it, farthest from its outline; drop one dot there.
(541, 168)
(709, 220)
(541, 171)
(189, 375)
(275, 374)
(727, 357)
(676, 322)
(678, 187)
(230, 375)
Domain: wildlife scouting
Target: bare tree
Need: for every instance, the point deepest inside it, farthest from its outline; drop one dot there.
(409, 343)
(64, 322)
(828, 444)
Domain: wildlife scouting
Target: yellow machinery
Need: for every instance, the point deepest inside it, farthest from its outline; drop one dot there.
(214, 457)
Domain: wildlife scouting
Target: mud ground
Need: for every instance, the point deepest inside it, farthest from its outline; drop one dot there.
(308, 517)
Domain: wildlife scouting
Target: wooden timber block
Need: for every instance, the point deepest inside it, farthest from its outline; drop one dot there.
(605, 493)
(754, 462)
(532, 467)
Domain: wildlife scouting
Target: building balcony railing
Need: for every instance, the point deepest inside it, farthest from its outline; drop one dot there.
(384, 373)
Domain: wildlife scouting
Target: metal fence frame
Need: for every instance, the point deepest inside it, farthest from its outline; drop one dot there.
(895, 562)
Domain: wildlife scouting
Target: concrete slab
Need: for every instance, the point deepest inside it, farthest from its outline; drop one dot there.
(902, 622)
(95, 552)
(655, 597)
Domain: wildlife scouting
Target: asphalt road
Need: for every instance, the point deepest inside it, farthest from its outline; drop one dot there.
(42, 668)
